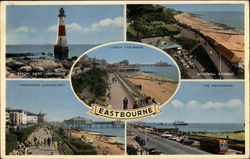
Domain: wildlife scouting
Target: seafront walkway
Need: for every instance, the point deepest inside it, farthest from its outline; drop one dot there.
(117, 93)
(42, 143)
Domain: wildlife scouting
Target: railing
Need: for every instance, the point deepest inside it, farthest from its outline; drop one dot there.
(136, 95)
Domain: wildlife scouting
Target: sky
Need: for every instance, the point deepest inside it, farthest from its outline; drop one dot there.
(58, 102)
(89, 24)
(206, 7)
(194, 102)
(118, 52)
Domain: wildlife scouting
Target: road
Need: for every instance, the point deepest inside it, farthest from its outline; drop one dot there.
(118, 92)
(216, 59)
(214, 56)
(164, 145)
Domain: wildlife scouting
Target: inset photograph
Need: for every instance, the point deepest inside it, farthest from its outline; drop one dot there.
(45, 118)
(43, 41)
(201, 122)
(125, 76)
(206, 40)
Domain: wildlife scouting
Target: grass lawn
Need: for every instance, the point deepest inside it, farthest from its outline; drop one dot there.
(236, 136)
(172, 28)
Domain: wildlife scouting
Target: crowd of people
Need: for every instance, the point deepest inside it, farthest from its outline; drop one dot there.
(37, 140)
(143, 102)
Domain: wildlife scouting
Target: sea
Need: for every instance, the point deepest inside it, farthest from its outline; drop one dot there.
(45, 50)
(233, 19)
(231, 15)
(203, 127)
(167, 72)
(118, 132)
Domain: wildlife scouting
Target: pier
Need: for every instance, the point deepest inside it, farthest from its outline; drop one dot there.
(94, 124)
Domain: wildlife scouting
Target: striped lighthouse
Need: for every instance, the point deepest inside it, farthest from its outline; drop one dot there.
(61, 49)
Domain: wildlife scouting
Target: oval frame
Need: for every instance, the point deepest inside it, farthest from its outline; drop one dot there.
(126, 42)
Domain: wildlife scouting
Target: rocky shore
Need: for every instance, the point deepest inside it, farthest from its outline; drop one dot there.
(37, 68)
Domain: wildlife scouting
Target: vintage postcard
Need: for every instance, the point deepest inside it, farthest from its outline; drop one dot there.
(124, 79)
(43, 41)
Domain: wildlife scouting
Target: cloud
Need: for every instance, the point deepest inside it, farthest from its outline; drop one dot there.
(74, 26)
(177, 103)
(32, 31)
(24, 29)
(230, 104)
(21, 29)
(104, 23)
(109, 22)
(52, 28)
(233, 103)
(192, 103)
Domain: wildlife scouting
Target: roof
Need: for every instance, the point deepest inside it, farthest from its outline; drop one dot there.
(161, 42)
(229, 55)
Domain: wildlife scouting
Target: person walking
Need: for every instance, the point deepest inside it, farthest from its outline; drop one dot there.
(153, 101)
(48, 141)
(125, 103)
(55, 145)
(45, 141)
(135, 106)
(35, 140)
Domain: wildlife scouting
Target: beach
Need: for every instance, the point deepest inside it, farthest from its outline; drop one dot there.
(159, 88)
(101, 143)
(231, 38)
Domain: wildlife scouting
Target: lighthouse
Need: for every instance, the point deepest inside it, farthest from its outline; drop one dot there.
(61, 50)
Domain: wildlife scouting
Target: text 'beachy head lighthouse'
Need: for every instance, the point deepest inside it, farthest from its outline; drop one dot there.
(61, 49)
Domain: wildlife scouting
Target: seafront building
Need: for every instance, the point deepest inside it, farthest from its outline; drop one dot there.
(32, 118)
(16, 117)
(229, 57)
(21, 117)
(85, 63)
(163, 43)
(42, 117)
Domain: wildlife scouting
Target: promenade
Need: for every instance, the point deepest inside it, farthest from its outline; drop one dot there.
(42, 143)
(117, 93)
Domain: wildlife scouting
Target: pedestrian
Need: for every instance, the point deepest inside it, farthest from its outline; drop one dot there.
(109, 95)
(147, 100)
(38, 143)
(56, 145)
(125, 103)
(153, 100)
(135, 106)
(45, 141)
(35, 140)
(48, 141)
